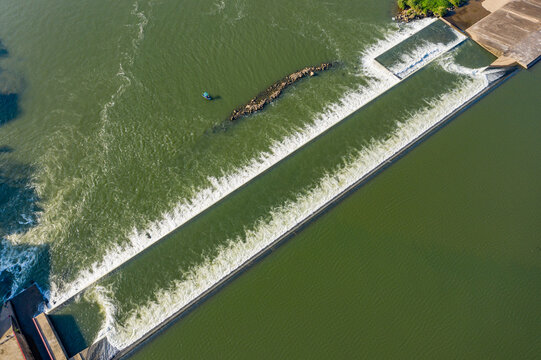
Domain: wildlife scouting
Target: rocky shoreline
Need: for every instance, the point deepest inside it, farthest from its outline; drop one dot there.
(409, 10)
(410, 14)
(273, 91)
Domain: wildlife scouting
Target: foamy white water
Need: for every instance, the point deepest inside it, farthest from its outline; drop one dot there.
(17, 261)
(102, 296)
(380, 80)
(423, 55)
(283, 218)
(16, 257)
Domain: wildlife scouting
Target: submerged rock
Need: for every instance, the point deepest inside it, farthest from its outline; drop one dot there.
(272, 92)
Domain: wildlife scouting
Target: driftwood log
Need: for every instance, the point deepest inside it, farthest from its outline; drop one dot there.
(272, 92)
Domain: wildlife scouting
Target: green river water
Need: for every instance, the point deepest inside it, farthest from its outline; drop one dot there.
(125, 194)
(437, 257)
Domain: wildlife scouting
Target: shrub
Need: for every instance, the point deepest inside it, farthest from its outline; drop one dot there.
(437, 7)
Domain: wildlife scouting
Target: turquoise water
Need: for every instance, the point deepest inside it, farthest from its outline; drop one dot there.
(123, 187)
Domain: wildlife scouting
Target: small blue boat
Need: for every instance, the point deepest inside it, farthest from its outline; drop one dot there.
(207, 96)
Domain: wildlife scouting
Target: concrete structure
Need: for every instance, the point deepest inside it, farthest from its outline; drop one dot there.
(512, 32)
(49, 337)
(13, 344)
(467, 15)
(9, 347)
(26, 333)
(20, 310)
(48, 344)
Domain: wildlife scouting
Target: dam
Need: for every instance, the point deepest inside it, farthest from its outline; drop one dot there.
(394, 66)
(393, 63)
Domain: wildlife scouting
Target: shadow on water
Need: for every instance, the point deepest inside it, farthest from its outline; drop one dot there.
(20, 264)
(9, 92)
(9, 108)
(18, 198)
(3, 50)
(72, 340)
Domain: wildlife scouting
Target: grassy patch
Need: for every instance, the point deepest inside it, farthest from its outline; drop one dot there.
(428, 7)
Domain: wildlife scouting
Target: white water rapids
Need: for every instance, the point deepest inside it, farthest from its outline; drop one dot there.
(380, 80)
(285, 216)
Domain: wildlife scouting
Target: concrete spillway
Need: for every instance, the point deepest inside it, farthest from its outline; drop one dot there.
(314, 215)
(414, 55)
(53, 344)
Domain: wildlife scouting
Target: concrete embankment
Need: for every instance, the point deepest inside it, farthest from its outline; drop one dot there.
(282, 239)
(20, 310)
(27, 333)
(510, 29)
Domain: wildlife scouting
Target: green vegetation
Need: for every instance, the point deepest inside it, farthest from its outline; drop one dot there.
(429, 7)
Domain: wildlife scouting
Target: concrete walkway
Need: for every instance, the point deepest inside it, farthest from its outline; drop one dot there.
(493, 5)
(50, 338)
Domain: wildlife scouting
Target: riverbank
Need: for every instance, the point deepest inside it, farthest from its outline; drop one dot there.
(418, 9)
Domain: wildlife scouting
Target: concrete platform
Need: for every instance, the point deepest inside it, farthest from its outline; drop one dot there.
(25, 306)
(467, 15)
(49, 337)
(13, 344)
(512, 32)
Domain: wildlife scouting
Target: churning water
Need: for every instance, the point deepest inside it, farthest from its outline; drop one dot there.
(128, 196)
